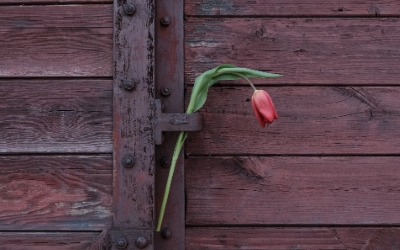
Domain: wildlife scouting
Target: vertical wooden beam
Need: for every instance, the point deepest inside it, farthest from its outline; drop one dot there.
(134, 151)
(170, 76)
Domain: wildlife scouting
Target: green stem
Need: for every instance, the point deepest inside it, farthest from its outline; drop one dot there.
(247, 79)
(178, 147)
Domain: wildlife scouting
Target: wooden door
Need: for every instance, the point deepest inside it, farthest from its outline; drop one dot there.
(325, 175)
(56, 123)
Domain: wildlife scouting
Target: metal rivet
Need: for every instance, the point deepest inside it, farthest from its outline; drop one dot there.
(121, 243)
(141, 242)
(129, 9)
(128, 162)
(165, 91)
(166, 20)
(129, 85)
(166, 233)
(165, 162)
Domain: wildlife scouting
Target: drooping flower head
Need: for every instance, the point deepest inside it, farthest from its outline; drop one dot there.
(263, 107)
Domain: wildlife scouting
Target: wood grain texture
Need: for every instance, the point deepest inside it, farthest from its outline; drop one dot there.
(46, 240)
(56, 40)
(10, 2)
(55, 192)
(292, 190)
(292, 8)
(305, 50)
(312, 120)
(134, 55)
(56, 116)
(321, 238)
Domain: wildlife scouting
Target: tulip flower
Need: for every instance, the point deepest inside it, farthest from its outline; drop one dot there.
(263, 107)
(262, 104)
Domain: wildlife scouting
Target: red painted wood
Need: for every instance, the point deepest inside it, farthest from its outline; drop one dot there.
(169, 65)
(292, 8)
(134, 187)
(46, 240)
(9, 2)
(292, 190)
(56, 40)
(312, 120)
(56, 16)
(355, 238)
(261, 238)
(55, 192)
(55, 116)
(306, 51)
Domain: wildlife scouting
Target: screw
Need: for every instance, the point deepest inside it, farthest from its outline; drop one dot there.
(165, 162)
(165, 20)
(121, 243)
(141, 242)
(129, 85)
(128, 162)
(166, 233)
(165, 91)
(129, 9)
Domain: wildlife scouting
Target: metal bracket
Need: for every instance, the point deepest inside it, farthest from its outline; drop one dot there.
(174, 122)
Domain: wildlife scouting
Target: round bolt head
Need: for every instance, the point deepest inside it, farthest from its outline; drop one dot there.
(165, 91)
(166, 233)
(121, 243)
(129, 9)
(129, 85)
(128, 162)
(166, 20)
(165, 162)
(141, 242)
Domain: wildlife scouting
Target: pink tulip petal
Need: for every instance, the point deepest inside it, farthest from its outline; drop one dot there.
(257, 113)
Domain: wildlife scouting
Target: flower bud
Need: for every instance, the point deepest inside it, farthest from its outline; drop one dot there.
(263, 107)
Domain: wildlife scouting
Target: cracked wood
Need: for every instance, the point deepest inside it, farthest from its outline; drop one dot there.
(55, 192)
(56, 116)
(312, 120)
(292, 190)
(307, 51)
(56, 40)
(46, 240)
(339, 8)
(274, 238)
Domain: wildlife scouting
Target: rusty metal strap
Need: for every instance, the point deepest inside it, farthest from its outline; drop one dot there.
(174, 122)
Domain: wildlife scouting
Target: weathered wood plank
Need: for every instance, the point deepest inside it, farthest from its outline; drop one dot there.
(292, 8)
(56, 16)
(312, 120)
(305, 50)
(292, 190)
(55, 192)
(5, 2)
(204, 238)
(46, 240)
(55, 116)
(56, 40)
(355, 238)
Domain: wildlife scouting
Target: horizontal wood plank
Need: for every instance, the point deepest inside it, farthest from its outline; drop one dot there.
(322, 238)
(57, 116)
(56, 40)
(55, 192)
(312, 120)
(292, 8)
(292, 190)
(10, 2)
(46, 240)
(306, 51)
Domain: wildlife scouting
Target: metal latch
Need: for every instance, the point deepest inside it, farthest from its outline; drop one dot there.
(175, 122)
